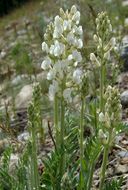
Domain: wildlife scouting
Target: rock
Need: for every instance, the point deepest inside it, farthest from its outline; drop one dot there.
(24, 97)
(125, 3)
(21, 32)
(17, 79)
(123, 49)
(121, 169)
(123, 154)
(124, 98)
(23, 136)
(2, 54)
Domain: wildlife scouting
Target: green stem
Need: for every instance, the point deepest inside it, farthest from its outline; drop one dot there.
(62, 122)
(92, 167)
(62, 134)
(91, 171)
(101, 86)
(62, 131)
(102, 80)
(81, 132)
(105, 159)
(81, 140)
(56, 119)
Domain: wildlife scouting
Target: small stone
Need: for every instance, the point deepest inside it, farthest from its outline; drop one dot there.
(122, 169)
(124, 98)
(123, 154)
(24, 97)
(23, 136)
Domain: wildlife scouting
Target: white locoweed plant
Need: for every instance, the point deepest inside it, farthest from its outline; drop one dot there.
(65, 69)
(62, 45)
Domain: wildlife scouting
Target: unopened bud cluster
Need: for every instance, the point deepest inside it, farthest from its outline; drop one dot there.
(63, 41)
(112, 114)
(105, 43)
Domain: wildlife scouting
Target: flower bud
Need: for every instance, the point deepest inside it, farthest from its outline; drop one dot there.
(95, 38)
(101, 117)
(73, 9)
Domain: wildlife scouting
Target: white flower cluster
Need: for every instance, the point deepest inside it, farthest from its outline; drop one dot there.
(105, 43)
(63, 41)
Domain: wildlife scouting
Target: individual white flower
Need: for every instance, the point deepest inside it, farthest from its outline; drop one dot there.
(58, 25)
(70, 38)
(73, 9)
(67, 95)
(77, 56)
(67, 24)
(110, 45)
(92, 57)
(58, 48)
(79, 43)
(60, 68)
(94, 60)
(56, 34)
(113, 42)
(76, 17)
(95, 38)
(51, 74)
(51, 50)
(70, 57)
(53, 89)
(46, 63)
(58, 21)
(77, 30)
(101, 117)
(102, 137)
(77, 76)
(45, 47)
